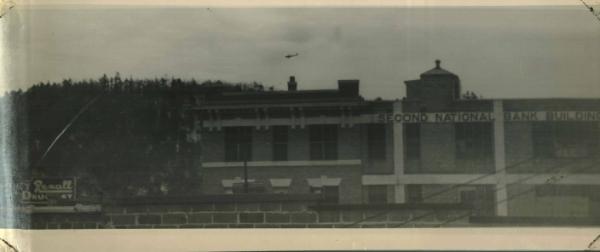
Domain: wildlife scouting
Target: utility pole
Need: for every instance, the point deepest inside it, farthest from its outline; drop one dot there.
(245, 176)
(245, 157)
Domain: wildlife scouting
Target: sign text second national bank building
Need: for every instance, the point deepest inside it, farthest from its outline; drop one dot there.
(453, 117)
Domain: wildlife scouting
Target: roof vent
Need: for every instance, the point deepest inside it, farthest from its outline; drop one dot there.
(292, 85)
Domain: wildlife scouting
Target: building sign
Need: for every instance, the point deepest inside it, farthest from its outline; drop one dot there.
(456, 117)
(47, 191)
(583, 116)
(436, 117)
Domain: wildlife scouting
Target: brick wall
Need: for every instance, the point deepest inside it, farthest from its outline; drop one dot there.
(349, 147)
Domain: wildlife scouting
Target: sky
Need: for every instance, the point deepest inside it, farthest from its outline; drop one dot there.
(498, 52)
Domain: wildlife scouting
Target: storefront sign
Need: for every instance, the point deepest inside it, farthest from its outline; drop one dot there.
(47, 191)
(456, 117)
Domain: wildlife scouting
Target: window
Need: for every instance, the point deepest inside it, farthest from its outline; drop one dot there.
(323, 142)
(376, 141)
(412, 134)
(377, 194)
(474, 140)
(280, 143)
(238, 143)
(562, 191)
(414, 193)
(327, 187)
(565, 139)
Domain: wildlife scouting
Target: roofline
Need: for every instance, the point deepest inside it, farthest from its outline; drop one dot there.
(277, 92)
(549, 98)
(283, 105)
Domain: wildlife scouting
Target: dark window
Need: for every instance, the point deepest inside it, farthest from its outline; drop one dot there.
(376, 141)
(412, 135)
(468, 197)
(414, 193)
(481, 199)
(238, 143)
(562, 190)
(565, 139)
(474, 140)
(377, 194)
(330, 194)
(323, 142)
(280, 143)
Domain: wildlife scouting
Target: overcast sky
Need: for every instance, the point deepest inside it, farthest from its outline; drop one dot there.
(507, 52)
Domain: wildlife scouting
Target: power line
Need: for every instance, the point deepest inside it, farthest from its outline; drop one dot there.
(441, 192)
(556, 167)
(551, 182)
(553, 168)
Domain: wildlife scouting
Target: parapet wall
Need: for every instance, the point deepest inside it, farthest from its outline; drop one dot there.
(298, 211)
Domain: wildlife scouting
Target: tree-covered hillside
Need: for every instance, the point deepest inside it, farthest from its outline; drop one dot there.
(131, 140)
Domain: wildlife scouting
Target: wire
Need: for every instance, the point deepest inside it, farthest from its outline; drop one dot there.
(448, 189)
(553, 168)
(548, 182)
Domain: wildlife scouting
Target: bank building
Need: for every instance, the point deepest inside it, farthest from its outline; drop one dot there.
(501, 157)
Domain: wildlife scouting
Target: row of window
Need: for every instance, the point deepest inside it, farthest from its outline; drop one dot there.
(323, 143)
(565, 139)
(472, 141)
(480, 196)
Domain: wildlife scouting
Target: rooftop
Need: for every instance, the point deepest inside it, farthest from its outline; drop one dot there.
(347, 92)
(438, 70)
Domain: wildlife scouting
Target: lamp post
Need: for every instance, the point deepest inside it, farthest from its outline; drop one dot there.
(244, 153)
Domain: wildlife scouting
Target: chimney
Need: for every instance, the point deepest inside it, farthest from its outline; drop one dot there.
(348, 87)
(292, 85)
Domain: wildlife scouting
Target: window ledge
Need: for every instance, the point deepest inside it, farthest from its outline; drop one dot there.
(283, 163)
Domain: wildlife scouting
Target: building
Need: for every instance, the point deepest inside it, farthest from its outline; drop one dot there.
(510, 157)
